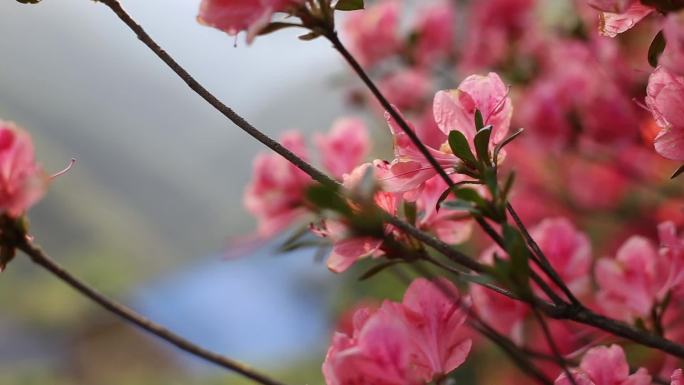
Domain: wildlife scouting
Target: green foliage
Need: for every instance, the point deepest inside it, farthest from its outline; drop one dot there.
(349, 5)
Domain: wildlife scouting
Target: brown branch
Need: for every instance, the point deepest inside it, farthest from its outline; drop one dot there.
(39, 257)
(581, 315)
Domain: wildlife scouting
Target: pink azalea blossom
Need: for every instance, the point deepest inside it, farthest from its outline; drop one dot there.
(614, 6)
(676, 378)
(372, 33)
(22, 181)
(672, 251)
(405, 343)
(503, 313)
(673, 56)
(349, 248)
(568, 251)
(344, 147)
(406, 89)
(275, 194)
(629, 284)
(234, 16)
(665, 98)
(605, 366)
(613, 23)
(435, 32)
(453, 110)
(495, 27)
(450, 226)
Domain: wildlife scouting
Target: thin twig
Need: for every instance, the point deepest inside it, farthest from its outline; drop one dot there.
(39, 257)
(558, 312)
(543, 262)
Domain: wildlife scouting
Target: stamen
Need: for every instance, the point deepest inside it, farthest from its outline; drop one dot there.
(66, 170)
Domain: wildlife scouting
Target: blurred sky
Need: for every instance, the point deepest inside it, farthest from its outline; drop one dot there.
(147, 146)
(160, 174)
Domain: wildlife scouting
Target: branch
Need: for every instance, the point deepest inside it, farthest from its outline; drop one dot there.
(39, 257)
(581, 315)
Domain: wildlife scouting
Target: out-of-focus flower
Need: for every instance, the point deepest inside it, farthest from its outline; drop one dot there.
(435, 32)
(665, 98)
(22, 181)
(348, 248)
(568, 251)
(275, 194)
(629, 284)
(616, 20)
(584, 173)
(605, 366)
(450, 226)
(234, 16)
(495, 27)
(676, 378)
(372, 33)
(406, 89)
(405, 343)
(673, 56)
(504, 314)
(672, 251)
(566, 102)
(454, 111)
(344, 147)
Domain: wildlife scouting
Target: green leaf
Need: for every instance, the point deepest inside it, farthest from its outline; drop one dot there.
(482, 144)
(505, 142)
(470, 195)
(508, 186)
(677, 173)
(411, 212)
(656, 49)
(479, 121)
(460, 147)
(461, 206)
(379, 268)
(272, 27)
(519, 254)
(327, 198)
(309, 36)
(349, 5)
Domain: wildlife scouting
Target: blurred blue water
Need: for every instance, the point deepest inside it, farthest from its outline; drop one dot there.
(266, 309)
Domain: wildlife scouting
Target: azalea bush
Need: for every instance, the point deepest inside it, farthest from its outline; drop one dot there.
(531, 205)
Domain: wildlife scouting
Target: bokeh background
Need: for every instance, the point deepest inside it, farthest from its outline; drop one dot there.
(152, 212)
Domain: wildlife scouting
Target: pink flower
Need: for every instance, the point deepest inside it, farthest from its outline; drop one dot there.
(372, 33)
(348, 248)
(605, 366)
(450, 226)
(665, 98)
(615, 6)
(673, 56)
(405, 343)
(453, 110)
(275, 194)
(234, 16)
(434, 315)
(435, 32)
(672, 251)
(676, 378)
(504, 314)
(22, 181)
(344, 147)
(406, 89)
(617, 21)
(630, 283)
(568, 251)
(495, 27)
